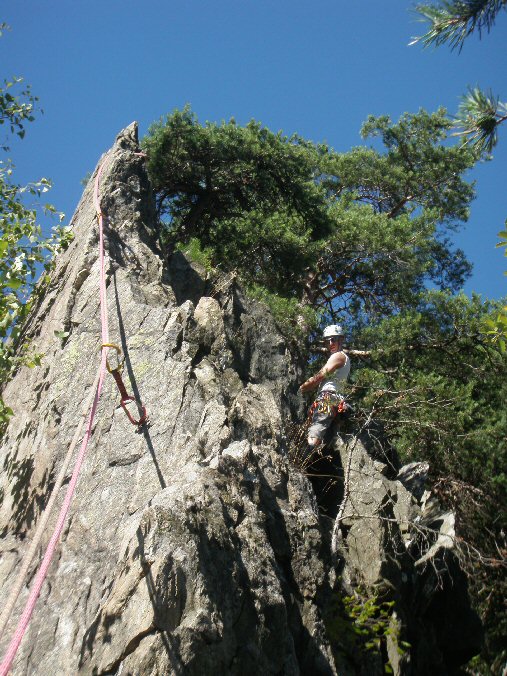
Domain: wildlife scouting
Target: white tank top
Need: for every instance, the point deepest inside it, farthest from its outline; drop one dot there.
(334, 381)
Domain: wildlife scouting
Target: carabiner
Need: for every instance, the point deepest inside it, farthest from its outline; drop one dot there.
(121, 361)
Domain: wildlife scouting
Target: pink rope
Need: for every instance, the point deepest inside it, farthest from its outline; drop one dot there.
(42, 572)
(103, 297)
(48, 556)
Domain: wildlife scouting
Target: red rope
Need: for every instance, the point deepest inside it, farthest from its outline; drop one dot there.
(48, 556)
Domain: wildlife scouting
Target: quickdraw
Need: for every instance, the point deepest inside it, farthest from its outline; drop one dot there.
(116, 372)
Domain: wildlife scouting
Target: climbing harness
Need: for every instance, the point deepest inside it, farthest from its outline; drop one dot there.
(116, 372)
(91, 404)
(327, 404)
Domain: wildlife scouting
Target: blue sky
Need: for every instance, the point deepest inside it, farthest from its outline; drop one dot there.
(317, 68)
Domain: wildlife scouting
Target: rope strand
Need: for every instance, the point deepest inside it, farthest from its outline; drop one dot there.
(42, 523)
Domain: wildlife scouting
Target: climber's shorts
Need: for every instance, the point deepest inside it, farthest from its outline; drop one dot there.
(323, 411)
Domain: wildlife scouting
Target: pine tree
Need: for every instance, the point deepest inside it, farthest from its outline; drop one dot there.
(364, 230)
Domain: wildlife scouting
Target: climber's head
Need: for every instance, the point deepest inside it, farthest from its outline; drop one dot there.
(334, 337)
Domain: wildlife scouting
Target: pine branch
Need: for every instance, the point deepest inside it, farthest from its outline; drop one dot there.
(479, 116)
(452, 21)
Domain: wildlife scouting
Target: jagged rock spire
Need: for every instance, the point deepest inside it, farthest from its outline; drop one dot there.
(190, 547)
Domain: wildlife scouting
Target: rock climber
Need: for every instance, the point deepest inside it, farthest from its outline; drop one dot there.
(331, 378)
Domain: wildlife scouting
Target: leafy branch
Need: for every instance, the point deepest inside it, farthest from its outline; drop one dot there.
(23, 249)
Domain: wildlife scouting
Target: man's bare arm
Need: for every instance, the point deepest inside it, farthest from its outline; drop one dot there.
(334, 362)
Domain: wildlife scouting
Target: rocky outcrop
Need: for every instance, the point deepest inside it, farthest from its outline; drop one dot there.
(194, 546)
(398, 545)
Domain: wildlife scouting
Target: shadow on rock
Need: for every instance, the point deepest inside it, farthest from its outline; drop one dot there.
(184, 279)
(28, 501)
(130, 371)
(311, 659)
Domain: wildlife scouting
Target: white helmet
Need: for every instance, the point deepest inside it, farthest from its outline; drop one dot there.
(333, 330)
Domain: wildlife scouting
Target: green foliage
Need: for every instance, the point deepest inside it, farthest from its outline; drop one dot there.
(205, 174)
(503, 237)
(418, 169)
(362, 230)
(197, 253)
(6, 414)
(391, 208)
(23, 250)
(273, 250)
(496, 326)
(479, 115)
(472, 467)
(429, 394)
(452, 21)
(371, 617)
(363, 621)
(17, 104)
(292, 318)
(16, 108)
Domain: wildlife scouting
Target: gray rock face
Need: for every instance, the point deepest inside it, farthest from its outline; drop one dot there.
(414, 477)
(193, 546)
(400, 545)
